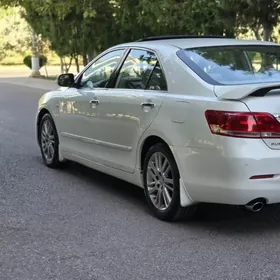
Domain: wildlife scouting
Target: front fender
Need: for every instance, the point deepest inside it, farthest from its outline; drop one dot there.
(48, 103)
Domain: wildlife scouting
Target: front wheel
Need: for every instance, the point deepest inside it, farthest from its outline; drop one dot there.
(161, 184)
(48, 141)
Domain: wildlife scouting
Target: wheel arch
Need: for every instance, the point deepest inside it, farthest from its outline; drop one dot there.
(147, 144)
(41, 114)
(184, 198)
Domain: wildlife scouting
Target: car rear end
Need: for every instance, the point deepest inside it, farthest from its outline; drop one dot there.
(244, 165)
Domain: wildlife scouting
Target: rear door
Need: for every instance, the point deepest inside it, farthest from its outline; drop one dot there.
(129, 108)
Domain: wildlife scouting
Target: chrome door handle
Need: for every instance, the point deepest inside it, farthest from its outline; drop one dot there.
(94, 101)
(148, 104)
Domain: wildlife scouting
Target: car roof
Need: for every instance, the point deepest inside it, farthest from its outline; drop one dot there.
(184, 43)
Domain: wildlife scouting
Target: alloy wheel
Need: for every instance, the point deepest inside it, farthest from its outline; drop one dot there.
(48, 140)
(160, 182)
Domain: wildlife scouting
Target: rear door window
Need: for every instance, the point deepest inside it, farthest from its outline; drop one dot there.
(141, 70)
(157, 80)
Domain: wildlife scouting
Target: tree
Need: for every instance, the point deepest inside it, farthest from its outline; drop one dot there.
(73, 28)
(193, 17)
(86, 27)
(14, 33)
(261, 16)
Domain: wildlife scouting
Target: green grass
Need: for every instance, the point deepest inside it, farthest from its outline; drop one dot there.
(17, 59)
(52, 78)
(44, 77)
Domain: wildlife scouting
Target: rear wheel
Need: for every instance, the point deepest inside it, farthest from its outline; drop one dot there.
(161, 183)
(48, 140)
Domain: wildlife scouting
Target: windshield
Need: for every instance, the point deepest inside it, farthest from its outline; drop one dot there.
(231, 65)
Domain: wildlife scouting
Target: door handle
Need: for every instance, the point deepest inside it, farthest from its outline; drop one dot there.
(148, 104)
(94, 101)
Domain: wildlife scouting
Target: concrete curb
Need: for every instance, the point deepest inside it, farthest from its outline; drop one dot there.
(31, 83)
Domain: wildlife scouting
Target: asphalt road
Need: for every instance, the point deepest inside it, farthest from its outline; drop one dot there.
(79, 224)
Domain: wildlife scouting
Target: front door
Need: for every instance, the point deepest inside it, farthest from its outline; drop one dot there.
(129, 109)
(82, 106)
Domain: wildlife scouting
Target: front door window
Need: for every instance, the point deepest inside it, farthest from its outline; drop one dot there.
(99, 73)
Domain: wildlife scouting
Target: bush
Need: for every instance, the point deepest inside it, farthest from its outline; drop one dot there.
(28, 61)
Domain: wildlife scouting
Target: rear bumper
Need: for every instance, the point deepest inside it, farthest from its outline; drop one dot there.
(223, 175)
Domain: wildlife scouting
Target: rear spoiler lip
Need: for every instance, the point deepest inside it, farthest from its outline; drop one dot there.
(237, 92)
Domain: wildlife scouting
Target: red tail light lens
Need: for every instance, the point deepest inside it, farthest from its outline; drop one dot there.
(245, 125)
(260, 177)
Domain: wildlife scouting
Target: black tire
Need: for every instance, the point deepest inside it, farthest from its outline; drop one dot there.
(54, 161)
(175, 211)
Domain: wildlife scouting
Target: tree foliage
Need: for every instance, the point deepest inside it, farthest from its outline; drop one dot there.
(261, 16)
(85, 27)
(183, 17)
(14, 34)
(28, 61)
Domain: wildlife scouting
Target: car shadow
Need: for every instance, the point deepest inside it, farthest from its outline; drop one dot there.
(235, 220)
(217, 219)
(107, 183)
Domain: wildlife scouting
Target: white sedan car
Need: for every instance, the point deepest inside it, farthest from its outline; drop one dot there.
(189, 119)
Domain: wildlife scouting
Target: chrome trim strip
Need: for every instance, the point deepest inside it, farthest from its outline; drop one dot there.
(96, 142)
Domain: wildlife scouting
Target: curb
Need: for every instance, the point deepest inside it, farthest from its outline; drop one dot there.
(31, 83)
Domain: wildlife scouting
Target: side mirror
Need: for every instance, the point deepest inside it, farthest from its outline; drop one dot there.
(65, 80)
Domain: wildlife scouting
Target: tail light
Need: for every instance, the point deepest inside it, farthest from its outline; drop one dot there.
(260, 177)
(243, 125)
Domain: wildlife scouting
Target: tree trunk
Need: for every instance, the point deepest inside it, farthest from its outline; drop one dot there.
(257, 34)
(266, 34)
(67, 67)
(92, 55)
(77, 63)
(85, 60)
(46, 70)
(266, 31)
(229, 33)
(61, 65)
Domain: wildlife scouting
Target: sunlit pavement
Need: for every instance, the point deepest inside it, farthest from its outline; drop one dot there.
(76, 223)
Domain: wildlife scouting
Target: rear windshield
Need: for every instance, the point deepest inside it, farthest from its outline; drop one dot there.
(230, 65)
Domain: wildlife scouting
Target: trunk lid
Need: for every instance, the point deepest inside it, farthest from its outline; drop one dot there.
(237, 92)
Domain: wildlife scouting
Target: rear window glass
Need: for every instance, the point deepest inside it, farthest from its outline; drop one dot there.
(235, 64)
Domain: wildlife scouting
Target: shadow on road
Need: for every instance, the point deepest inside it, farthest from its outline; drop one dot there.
(234, 220)
(107, 183)
(214, 218)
